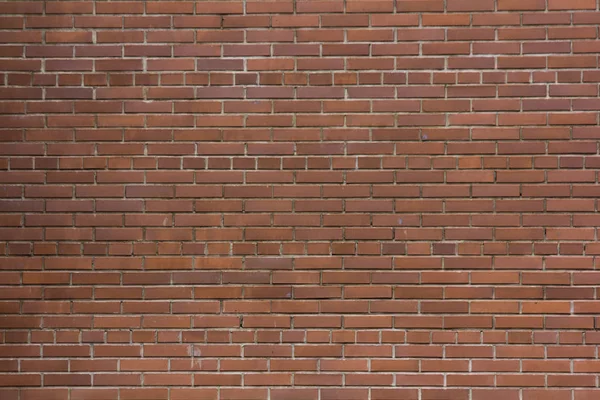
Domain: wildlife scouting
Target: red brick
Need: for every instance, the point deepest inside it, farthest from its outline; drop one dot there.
(411, 205)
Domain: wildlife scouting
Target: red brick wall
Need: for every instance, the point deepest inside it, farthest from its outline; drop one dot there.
(299, 200)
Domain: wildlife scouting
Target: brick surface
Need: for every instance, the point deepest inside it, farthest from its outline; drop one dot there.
(299, 199)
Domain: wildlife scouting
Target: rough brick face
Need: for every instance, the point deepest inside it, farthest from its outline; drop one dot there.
(299, 200)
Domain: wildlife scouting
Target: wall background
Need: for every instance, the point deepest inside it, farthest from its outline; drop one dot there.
(299, 200)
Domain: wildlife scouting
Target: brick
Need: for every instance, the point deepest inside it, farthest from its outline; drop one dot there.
(577, 5)
(511, 5)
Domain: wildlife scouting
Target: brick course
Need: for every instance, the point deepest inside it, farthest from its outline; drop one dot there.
(299, 200)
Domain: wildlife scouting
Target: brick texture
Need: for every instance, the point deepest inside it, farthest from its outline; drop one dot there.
(299, 200)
